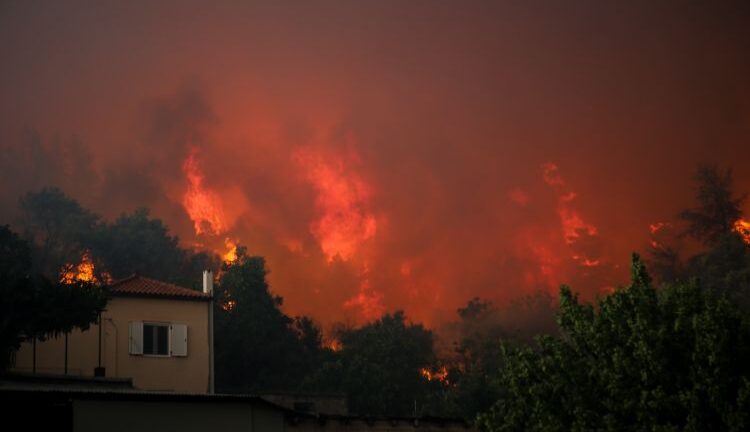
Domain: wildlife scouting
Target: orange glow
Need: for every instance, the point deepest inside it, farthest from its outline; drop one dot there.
(202, 205)
(230, 255)
(81, 272)
(344, 221)
(656, 230)
(658, 226)
(573, 225)
(333, 345)
(367, 300)
(742, 227)
(440, 374)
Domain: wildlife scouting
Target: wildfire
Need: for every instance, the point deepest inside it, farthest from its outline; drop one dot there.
(202, 205)
(81, 272)
(439, 374)
(230, 255)
(342, 201)
(367, 300)
(656, 230)
(573, 225)
(333, 345)
(742, 227)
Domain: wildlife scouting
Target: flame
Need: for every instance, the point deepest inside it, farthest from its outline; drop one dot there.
(742, 227)
(81, 272)
(656, 229)
(367, 300)
(572, 223)
(202, 205)
(344, 221)
(658, 226)
(230, 255)
(333, 345)
(439, 374)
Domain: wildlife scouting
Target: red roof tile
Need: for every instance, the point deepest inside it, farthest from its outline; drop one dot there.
(139, 286)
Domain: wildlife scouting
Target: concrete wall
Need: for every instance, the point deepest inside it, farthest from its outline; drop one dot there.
(181, 374)
(115, 416)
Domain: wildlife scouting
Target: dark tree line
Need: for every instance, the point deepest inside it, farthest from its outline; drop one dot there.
(666, 356)
(60, 231)
(35, 306)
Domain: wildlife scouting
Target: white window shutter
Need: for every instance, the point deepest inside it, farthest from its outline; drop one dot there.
(136, 338)
(178, 340)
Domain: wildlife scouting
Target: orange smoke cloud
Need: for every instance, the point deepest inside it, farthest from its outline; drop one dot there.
(202, 205)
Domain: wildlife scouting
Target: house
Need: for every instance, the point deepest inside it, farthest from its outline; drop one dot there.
(155, 333)
(148, 365)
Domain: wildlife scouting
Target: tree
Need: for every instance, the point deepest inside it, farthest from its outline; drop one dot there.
(58, 228)
(33, 306)
(477, 360)
(137, 243)
(724, 266)
(258, 347)
(718, 209)
(673, 359)
(379, 367)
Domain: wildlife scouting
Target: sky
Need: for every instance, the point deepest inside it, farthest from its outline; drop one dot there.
(382, 155)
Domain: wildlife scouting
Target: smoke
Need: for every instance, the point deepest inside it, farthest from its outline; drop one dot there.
(381, 156)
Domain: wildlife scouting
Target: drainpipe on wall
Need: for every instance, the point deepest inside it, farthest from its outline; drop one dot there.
(208, 288)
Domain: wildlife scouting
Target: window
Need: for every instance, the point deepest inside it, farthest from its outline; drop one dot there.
(155, 339)
(158, 339)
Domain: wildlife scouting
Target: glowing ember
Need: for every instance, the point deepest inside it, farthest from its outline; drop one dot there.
(342, 200)
(202, 205)
(229, 305)
(82, 272)
(657, 230)
(658, 226)
(742, 227)
(440, 374)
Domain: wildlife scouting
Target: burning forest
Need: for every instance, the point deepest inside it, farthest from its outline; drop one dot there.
(395, 193)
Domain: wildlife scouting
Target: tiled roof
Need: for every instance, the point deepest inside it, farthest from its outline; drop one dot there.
(139, 286)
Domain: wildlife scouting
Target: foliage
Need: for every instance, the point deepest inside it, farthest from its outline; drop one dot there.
(379, 365)
(642, 359)
(136, 243)
(717, 209)
(35, 306)
(477, 357)
(58, 229)
(723, 265)
(258, 347)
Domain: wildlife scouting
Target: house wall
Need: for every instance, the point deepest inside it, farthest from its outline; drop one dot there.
(181, 374)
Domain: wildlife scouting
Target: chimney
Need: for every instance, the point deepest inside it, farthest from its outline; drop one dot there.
(208, 282)
(208, 288)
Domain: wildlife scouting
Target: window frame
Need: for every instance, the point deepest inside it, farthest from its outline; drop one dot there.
(169, 338)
